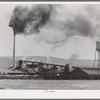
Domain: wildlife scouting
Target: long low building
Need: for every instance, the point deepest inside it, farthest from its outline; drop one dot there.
(84, 73)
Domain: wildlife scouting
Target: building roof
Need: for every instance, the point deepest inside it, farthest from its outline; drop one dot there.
(90, 71)
(54, 67)
(11, 71)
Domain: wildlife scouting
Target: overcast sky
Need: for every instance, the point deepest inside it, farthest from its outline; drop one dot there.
(83, 46)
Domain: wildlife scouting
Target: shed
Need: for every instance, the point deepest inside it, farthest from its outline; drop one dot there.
(84, 73)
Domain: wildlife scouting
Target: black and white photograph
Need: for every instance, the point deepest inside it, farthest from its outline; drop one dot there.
(49, 46)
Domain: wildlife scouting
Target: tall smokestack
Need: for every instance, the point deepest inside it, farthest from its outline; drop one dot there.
(27, 20)
(14, 48)
(14, 37)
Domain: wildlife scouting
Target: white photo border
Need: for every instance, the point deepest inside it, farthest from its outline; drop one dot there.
(57, 94)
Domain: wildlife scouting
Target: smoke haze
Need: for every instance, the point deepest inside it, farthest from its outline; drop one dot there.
(55, 24)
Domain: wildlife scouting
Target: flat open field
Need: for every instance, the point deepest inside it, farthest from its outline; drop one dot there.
(51, 84)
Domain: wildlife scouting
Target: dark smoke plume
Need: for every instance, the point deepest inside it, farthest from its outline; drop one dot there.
(32, 18)
(57, 23)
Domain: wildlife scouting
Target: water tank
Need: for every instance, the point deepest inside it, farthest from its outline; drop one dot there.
(98, 46)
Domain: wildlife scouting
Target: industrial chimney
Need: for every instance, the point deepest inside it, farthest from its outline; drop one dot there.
(14, 34)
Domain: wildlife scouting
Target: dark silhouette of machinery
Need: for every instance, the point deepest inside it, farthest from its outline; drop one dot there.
(47, 70)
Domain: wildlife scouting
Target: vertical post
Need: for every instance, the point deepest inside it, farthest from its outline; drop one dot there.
(94, 59)
(97, 71)
(99, 57)
(14, 48)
